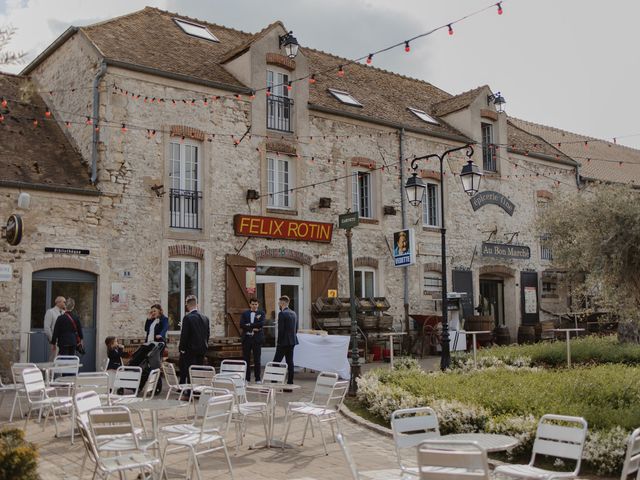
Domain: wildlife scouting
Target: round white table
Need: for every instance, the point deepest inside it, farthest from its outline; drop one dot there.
(491, 442)
(473, 334)
(154, 406)
(568, 333)
(391, 335)
(274, 388)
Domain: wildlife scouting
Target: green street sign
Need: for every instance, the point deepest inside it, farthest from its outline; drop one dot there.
(348, 220)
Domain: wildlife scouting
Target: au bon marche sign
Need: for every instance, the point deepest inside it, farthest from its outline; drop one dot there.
(505, 250)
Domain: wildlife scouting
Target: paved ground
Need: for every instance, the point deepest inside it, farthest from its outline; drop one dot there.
(373, 452)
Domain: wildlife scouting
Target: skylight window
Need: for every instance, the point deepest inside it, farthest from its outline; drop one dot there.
(345, 97)
(196, 30)
(424, 116)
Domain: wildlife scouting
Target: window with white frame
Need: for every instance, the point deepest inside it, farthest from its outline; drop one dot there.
(431, 205)
(431, 283)
(279, 105)
(185, 194)
(422, 115)
(195, 29)
(365, 282)
(279, 182)
(362, 193)
(345, 97)
(184, 280)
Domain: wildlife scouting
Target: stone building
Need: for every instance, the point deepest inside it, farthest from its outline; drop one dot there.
(212, 163)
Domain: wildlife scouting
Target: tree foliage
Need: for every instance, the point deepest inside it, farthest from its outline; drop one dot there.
(596, 233)
(8, 57)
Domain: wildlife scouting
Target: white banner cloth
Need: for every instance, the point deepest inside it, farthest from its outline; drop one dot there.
(324, 353)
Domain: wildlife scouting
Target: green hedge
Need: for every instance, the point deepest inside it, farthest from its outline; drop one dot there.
(584, 350)
(511, 400)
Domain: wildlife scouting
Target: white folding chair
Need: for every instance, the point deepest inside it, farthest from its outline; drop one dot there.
(6, 388)
(275, 373)
(172, 380)
(355, 475)
(114, 424)
(323, 387)
(327, 413)
(94, 382)
(440, 459)
(61, 374)
(127, 378)
(631, 463)
(234, 366)
(195, 426)
(38, 397)
(215, 425)
(242, 408)
(410, 427)
(16, 373)
(558, 436)
(105, 364)
(200, 376)
(148, 391)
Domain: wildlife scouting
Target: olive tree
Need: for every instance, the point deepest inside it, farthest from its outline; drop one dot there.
(595, 234)
(8, 57)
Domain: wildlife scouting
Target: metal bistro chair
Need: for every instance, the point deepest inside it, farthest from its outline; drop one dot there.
(173, 382)
(631, 463)
(148, 391)
(458, 460)
(355, 475)
(200, 376)
(115, 422)
(65, 367)
(327, 413)
(196, 424)
(242, 407)
(97, 383)
(557, 436)
(16, 373)
(410, 427)
(127, 378)
(215, 425)
(234, 366)
(38, 397)
(275, 373)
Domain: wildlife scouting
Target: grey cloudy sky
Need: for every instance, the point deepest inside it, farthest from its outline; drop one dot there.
(572, 64)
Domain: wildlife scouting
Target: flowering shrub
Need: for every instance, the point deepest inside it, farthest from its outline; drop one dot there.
(510, 400)
(406, 363)
(464, 362)
(18, 458)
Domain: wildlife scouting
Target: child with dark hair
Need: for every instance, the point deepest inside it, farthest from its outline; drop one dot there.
(115, 353)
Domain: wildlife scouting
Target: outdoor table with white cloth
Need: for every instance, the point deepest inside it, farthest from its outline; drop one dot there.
(323, 353)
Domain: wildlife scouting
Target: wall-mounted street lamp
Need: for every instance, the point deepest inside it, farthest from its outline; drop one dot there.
(290, 44)
(415, 188)
(497, 99)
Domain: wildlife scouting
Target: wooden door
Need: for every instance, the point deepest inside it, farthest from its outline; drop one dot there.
(324, 277)
(237, 297)
(529, 295)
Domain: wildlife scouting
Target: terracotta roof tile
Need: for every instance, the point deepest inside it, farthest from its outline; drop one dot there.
(525, 142)
(457, 102)
(598, 159)
(151, 38)
(37, 156)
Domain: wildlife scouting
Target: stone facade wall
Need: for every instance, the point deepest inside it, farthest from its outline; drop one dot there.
(128, 228)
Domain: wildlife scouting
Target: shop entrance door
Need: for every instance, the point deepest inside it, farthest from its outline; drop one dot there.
(272, 282)
(492, 300)
(46, 285)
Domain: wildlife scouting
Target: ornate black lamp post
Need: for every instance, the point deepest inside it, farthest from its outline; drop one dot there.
(415, 188)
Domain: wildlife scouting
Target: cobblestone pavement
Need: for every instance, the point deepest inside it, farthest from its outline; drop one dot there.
(373, 452)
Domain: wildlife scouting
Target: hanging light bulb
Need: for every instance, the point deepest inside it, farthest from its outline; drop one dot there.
(340, 71)
(4, 102)
(407, 48)
(450, 29)
(47, 113)
(89, 121)
(370, 59)
(499, 5)
(123, 129)
(268, 92)
(289, 86)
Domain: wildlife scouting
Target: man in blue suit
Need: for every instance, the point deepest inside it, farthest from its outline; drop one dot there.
(251, 323)
(287, 338)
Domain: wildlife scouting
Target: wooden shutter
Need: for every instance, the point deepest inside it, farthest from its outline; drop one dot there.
(529, 283)
(324, 276)
(237, 298)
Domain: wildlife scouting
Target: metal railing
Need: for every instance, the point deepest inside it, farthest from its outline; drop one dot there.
(279, 113)
(185, 208)
(489, 157)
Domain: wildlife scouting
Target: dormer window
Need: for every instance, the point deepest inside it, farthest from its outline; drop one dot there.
(345, 97)
(195, 30)
(424, 116)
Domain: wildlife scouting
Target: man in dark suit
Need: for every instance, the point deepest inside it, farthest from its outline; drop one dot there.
(194, 338)
(251, 323)
(287, 338)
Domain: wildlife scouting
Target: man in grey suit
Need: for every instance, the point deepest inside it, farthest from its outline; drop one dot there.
(287, 338)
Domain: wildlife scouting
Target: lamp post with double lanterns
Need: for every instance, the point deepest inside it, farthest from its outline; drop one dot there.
(415, 188)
